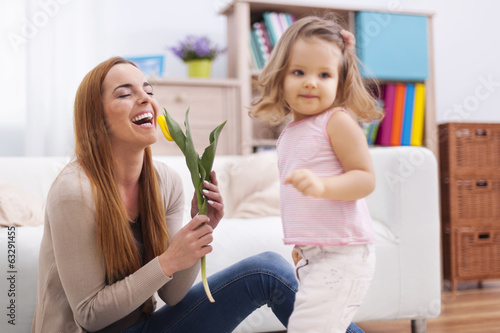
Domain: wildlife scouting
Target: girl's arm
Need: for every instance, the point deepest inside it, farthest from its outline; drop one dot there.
(358, 179)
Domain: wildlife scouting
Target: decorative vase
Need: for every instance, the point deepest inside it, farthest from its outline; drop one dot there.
(199, 68)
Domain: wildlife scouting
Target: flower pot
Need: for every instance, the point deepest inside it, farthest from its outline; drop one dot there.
(199, 68)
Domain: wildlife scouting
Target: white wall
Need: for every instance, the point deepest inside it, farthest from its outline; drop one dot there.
(466, 56)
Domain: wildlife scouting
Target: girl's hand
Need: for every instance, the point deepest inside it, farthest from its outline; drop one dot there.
(215, 201)
(306, 182)
(296, 256)
(187, 246)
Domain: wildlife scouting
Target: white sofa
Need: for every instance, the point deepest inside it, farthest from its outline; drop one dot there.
(404, 207)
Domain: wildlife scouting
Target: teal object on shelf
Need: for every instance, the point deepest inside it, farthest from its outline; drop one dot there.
(392, 46)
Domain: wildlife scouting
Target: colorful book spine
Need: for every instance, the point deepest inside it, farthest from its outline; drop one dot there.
(261, 38)
(371, 130)
(418, 115)
(408, 115)
(398, 113)
(257, 49)
(384, 131)
(254, 57)
(273, 26)
(267, 36)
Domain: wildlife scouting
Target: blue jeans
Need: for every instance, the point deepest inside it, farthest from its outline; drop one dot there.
(264, 279)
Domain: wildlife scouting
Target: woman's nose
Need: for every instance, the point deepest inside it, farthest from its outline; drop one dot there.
(144, 98)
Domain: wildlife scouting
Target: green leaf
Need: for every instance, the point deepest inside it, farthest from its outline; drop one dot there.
(175, 131)
(202, 201)
(192, 158)
(207, 159)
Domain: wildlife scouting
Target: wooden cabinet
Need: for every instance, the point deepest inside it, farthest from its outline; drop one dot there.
(470, 201)
(210, 102)
(240, 16)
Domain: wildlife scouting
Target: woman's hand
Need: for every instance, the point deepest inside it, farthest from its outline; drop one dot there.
(187, 246)
(215, 202)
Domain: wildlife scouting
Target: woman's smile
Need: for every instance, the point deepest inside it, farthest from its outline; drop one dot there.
(144, 119)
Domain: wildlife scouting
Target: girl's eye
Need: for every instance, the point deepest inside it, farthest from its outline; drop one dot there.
(298, 72)
(324, 75)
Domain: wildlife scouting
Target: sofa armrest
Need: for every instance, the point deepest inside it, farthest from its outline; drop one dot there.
(406, 203)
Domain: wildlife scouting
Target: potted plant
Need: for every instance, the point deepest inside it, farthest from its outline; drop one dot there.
(197, 52)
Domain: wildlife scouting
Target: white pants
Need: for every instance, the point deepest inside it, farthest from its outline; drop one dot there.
(333, 281)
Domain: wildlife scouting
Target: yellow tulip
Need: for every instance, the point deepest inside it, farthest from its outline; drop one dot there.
(164, 128)
(199, 167)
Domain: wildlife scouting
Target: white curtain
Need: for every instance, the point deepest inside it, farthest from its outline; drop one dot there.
(61, 47)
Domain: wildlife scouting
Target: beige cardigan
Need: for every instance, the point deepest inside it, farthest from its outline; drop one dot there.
(72, 295)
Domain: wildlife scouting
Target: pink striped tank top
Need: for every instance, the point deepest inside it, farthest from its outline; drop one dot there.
(317, 221)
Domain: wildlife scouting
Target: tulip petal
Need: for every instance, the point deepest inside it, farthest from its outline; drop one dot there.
(163, 126)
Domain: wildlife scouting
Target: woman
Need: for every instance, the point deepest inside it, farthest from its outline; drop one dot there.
(113, 234)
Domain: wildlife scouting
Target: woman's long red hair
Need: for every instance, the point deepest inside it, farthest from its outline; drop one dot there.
(93, 153)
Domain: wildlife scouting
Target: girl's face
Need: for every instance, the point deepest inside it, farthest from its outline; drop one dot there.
(129, 108)
(311, 80)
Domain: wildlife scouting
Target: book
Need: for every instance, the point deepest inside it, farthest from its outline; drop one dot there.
(261, 38)
(397, 114)
(256, 50)
(273, 26)
(254, 60)
(418, 115)
(267, 36)
(408, 115)
(371, 131)
(284, 20)
(384, 131)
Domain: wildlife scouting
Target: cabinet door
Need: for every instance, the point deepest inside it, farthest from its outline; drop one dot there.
(209, 106)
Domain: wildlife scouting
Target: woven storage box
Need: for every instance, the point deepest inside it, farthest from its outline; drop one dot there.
(479, 254)
(469, 146)
(469, 160)
(472, 202)
(478, 201)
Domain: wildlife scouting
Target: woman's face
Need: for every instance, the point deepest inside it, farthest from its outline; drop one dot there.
(129, 108)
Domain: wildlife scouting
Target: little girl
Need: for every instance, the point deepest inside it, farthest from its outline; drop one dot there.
(325, 169)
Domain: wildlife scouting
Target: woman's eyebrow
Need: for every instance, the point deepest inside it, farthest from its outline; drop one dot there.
(126, 85)
(129, 85)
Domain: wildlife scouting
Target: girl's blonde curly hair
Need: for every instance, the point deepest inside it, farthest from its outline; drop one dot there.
(352, 94)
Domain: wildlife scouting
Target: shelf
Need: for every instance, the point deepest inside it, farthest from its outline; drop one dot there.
(240, 16)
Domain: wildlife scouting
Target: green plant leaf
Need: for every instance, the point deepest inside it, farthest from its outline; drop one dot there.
(202, 204)
(176, 132)
(192, 158)
(207, 159)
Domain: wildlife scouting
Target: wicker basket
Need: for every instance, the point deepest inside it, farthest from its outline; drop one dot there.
(478, 200)
(479, 254)
(469, 156)
(469, 146)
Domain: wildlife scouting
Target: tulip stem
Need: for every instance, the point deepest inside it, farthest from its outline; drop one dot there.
(204, 279)
(203, 210)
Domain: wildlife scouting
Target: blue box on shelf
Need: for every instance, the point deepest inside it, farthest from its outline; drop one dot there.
(392, 46)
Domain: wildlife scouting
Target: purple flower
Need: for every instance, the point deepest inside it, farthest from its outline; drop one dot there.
(195, 47)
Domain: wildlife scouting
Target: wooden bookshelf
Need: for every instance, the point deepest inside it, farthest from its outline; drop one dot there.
(242, 13)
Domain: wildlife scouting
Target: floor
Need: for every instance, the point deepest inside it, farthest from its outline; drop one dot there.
(468, 310)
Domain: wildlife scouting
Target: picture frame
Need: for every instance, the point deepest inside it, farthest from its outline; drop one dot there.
(151, 66)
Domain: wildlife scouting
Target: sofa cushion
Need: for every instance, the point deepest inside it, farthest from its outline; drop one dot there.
(253, 187)
(19, 207)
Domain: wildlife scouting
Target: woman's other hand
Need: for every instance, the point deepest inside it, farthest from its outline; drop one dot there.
(215, 201)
